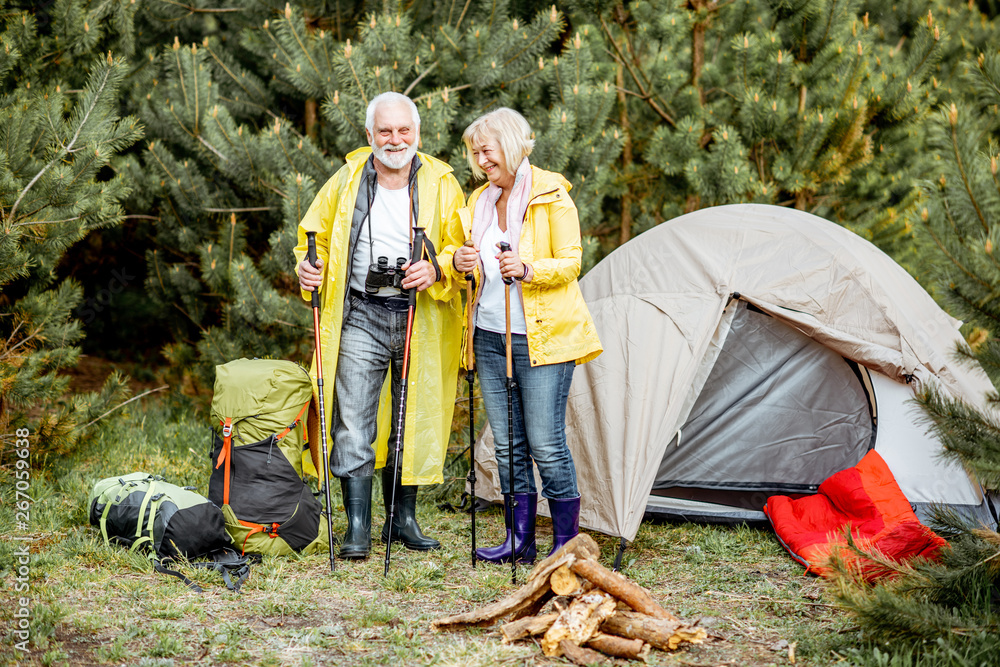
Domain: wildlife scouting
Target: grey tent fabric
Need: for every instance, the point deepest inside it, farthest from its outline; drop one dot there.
(764, 422)
(662, 305)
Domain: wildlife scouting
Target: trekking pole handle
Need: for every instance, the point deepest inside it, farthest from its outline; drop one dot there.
(311, 256)
(416, 255)
(470, 276)
(505, 247)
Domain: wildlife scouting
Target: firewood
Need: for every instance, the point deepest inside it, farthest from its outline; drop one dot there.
(631, 594)
(619, 647)
(579, 621)
(661, 633)
(527, 627)
(582, 546)
(564, 582)
(520, 599)
(580, 655)
(532, 608)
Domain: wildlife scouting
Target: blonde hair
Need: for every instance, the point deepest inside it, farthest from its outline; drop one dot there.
(512, 134)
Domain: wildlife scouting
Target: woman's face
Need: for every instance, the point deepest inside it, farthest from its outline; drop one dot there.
(490, 159)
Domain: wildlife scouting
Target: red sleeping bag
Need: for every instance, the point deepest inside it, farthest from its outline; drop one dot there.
(865, 498)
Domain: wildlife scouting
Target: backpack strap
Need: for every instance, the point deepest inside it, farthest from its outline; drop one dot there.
(271, 531)
(224, 561)
(298, 418)
(227, 562)
(123, 492)
(226, 455)
(158, 566)
(107, 509)
(150, 502)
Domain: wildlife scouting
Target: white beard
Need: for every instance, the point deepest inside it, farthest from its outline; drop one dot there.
(395, 159)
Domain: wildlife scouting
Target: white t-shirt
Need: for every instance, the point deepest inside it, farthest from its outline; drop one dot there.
(390, 224)
(490, 311)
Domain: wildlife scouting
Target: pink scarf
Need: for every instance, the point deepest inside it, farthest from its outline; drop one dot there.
(517, 205)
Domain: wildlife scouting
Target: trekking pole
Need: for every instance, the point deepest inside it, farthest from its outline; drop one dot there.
(505, 247)
(470, 290)
(416, 255)
(311, 240)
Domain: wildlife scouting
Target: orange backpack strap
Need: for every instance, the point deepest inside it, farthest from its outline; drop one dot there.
(271, 531)
(226, 455)
(298, 418)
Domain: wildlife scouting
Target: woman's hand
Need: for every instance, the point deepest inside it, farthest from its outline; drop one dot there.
(511, 265)
(466, 258)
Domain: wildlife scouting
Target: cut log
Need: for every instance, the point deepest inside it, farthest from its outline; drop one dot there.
(582, 546)
(635, 596)
(580, 655)
(661, 633)
(522, 598)
(532, 609)
(620, 647)
(579, 621)
(564, 582)
(527, 627)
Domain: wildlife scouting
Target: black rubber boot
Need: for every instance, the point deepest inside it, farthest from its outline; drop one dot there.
(358, 505)
(404, 522)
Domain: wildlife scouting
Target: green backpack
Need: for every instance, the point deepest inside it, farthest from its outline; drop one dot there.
(259, 440)
(170, 522)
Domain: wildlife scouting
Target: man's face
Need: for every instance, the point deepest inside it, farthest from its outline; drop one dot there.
(394, 137)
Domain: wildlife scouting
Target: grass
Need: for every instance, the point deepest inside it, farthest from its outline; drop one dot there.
(98, 605)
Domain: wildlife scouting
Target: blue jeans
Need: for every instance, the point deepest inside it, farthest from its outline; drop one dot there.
(539, 405)
(371, 343)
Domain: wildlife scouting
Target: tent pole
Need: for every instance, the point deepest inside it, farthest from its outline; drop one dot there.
(621, 552)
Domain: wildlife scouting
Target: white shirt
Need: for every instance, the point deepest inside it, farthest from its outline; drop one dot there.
(490, 312)
(390, 223)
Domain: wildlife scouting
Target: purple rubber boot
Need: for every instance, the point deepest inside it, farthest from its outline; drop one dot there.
(525, 510)
(565, 521)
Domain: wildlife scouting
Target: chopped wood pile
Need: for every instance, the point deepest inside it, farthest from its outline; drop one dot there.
(595, 612)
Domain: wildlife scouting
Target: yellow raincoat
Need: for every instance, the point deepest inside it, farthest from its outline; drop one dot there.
(437, 327)
(559, 325)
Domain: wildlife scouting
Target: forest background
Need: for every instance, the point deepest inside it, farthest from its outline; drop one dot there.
(156, 157)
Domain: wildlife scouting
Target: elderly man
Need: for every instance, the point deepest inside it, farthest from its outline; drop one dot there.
(366, 211)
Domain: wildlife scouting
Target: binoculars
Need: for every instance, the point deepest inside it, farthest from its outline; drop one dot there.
(382, 275)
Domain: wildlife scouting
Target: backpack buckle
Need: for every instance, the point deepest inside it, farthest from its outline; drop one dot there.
(227, 430)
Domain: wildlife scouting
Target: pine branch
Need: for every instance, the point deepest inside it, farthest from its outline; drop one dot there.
(645, 95)
(96, 99)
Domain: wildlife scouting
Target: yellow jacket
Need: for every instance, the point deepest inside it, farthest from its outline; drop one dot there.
(435, 342)
(558, 323)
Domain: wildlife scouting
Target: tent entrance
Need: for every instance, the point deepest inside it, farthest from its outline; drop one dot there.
(779, 413)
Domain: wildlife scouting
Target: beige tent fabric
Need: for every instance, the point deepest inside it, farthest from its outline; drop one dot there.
(659, 300)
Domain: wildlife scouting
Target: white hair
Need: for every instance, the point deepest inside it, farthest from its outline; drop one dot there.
(389, 98)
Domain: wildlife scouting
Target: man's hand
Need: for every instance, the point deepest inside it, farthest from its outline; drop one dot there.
(466, 258)
(310, 277)
(421, 275)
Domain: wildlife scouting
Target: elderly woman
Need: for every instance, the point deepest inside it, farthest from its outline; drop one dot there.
(551, 329)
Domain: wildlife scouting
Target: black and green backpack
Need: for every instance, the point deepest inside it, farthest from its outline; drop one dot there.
(260, 445)
(143, 511)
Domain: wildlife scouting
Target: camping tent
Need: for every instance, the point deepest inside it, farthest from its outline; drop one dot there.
(754, 350)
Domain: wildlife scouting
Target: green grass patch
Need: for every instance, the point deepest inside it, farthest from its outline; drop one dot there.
(95, 604)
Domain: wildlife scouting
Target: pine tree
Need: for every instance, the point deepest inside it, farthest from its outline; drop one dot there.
(246, 124)
(797, 103)
(948, 613)
(58, 182)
